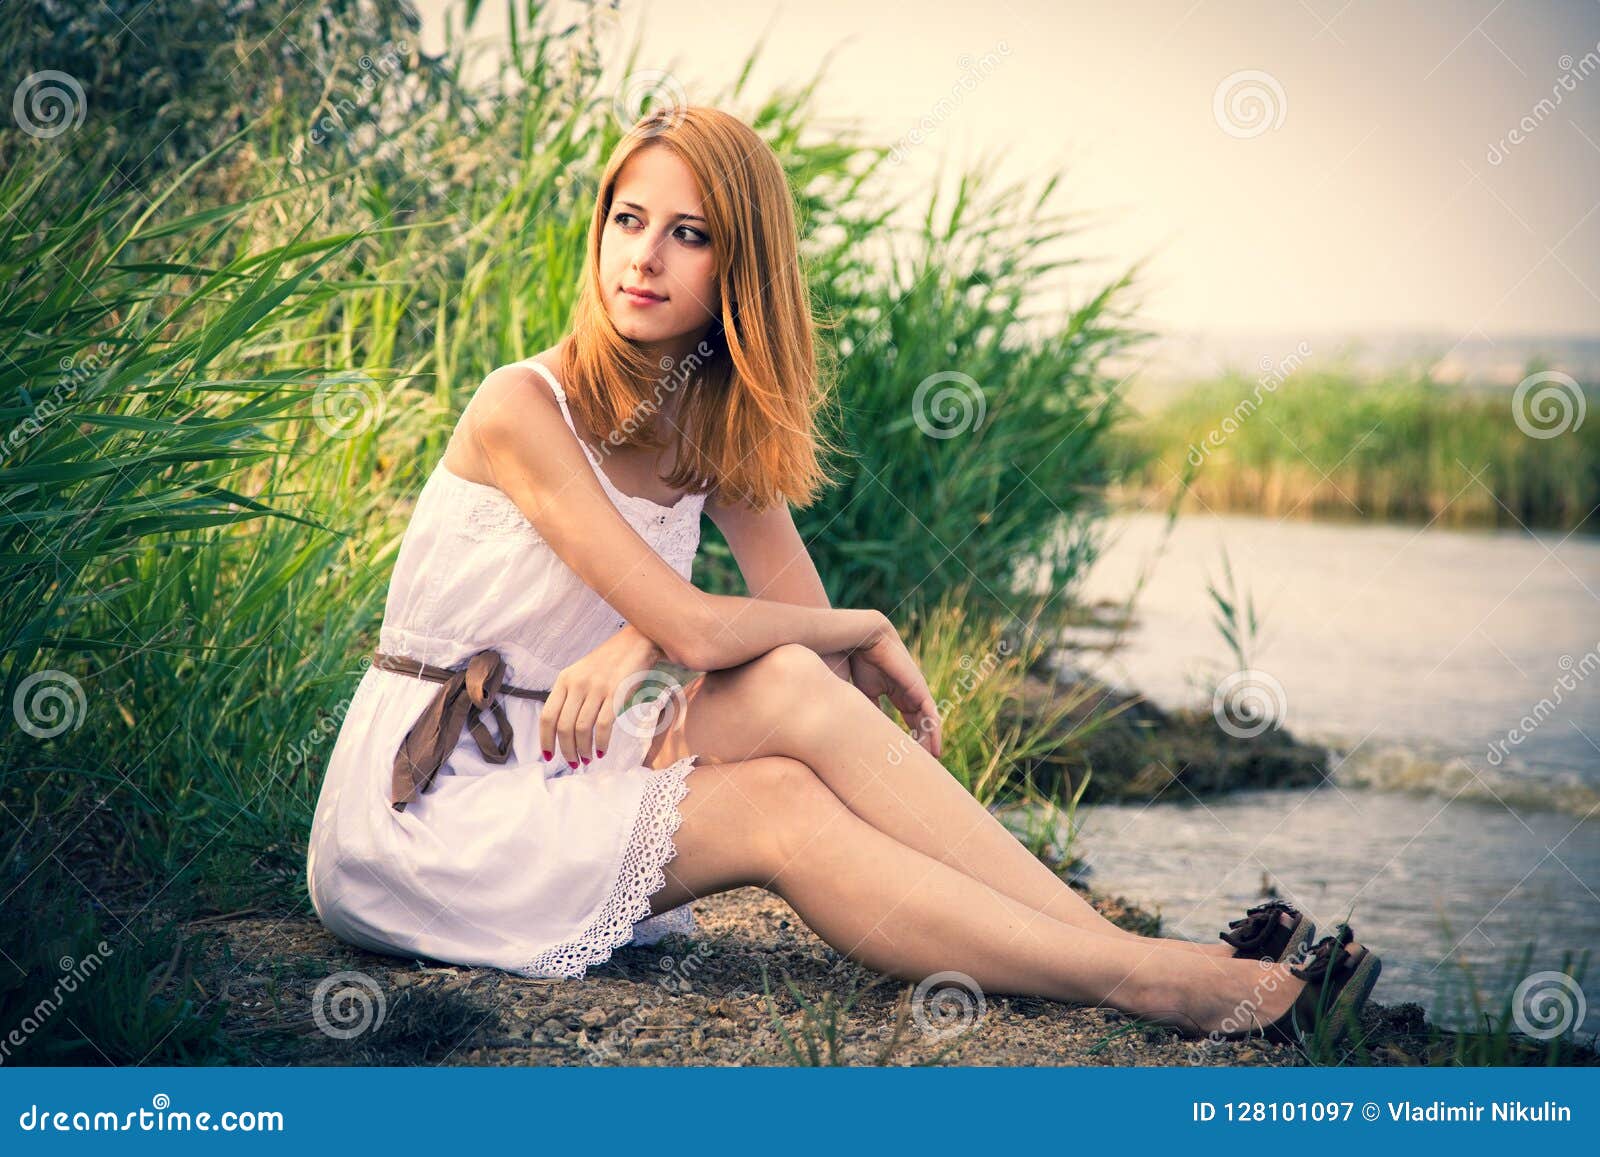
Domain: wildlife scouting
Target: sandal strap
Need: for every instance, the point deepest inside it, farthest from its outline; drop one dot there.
(1327, 955)
(1253, 931)
(1328, 970)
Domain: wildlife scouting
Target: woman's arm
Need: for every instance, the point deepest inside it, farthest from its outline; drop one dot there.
(774, 561)
(532, 456)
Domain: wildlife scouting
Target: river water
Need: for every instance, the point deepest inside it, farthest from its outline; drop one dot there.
(1455, 677)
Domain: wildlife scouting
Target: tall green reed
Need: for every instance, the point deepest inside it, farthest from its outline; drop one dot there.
(1328, 444)
(220, 407)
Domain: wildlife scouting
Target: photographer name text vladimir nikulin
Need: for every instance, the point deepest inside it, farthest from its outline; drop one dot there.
(1473, 1111)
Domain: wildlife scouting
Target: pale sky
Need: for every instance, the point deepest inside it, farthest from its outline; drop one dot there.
(1367, 200)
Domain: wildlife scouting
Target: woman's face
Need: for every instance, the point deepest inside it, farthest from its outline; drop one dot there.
(656, 240)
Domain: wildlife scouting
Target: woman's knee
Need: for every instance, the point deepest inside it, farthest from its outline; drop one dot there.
(758, 708)
(791, 687)
(791, 665)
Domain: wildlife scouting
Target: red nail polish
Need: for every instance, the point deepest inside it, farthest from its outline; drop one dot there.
(547, 755)
(599, 755)
(572, 763)
(585, 759)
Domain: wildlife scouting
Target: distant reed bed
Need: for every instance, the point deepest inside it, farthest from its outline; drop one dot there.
(1326, 444)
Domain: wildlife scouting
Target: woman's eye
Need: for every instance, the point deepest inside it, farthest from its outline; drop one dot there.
(695, 237)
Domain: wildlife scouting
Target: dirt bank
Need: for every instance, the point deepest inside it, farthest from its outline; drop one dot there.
(686, 1001)
(1137, 751)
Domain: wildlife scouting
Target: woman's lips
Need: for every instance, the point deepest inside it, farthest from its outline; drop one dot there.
(641, 298)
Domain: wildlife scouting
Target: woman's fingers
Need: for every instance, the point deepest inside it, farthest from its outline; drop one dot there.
(567, 731)
(925, 725)
(560, 716)
(917, 707)
(583, 722)
(602, 724)
(887, 667)
(575, 724)
(549, 715)
(914, 700)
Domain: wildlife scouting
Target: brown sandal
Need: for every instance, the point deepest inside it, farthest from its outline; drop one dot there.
(1273, 931)
(1334, 993)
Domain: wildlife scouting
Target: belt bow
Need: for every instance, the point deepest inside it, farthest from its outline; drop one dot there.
(463, 698)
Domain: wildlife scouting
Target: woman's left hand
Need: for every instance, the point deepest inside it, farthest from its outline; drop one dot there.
(890, 671)
(575, 724)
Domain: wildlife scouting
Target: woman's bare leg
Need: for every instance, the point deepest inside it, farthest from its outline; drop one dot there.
(771, 822)
(788, 702)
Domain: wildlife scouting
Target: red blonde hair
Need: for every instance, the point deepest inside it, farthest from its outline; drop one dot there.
(748, 420)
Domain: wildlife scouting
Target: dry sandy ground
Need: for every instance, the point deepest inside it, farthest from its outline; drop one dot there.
(694, 1000)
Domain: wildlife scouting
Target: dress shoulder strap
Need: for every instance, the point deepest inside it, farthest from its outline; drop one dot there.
(561, 399)
(544, 372)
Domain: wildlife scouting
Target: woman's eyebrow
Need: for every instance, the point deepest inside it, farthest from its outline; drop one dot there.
(679, 217)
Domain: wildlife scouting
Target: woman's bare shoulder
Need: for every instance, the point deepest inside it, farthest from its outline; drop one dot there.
(513, 398)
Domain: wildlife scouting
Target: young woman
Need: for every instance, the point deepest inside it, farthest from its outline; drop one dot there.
(487, 804)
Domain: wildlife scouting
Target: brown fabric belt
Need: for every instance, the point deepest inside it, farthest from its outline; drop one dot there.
(460, 702)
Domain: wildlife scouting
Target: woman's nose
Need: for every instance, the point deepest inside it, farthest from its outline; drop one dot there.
(647, 257)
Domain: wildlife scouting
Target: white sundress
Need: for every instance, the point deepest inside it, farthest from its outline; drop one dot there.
(536, 869)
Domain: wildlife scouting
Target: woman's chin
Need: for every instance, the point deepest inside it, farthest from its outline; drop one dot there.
(635, 331)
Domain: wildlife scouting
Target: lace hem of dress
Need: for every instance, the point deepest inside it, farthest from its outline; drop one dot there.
(650, 848)
(678, 920)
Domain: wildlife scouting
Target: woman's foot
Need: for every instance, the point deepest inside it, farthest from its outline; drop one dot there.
(1274, 989)
(1268, 991)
